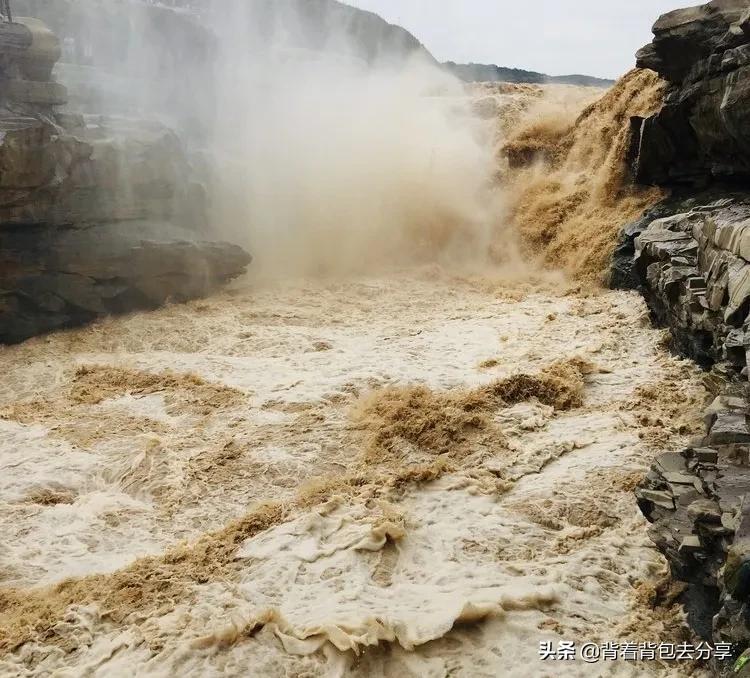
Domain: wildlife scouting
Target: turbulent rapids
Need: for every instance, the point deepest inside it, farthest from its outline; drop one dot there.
(414, 472)
(406, 442)
(410, 475)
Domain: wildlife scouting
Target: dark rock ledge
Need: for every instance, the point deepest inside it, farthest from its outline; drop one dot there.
(690, 258)
(52, 278)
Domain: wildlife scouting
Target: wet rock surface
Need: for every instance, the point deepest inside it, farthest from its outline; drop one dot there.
(703, 131)
(54, 277)
(692, 272)
(689, 261)
(696, 502)
(89, 204)
(690, 257)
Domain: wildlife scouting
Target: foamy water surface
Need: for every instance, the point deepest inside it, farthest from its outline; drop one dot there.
(190, 417)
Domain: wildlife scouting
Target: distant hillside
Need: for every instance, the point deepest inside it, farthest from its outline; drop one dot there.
(97, 26)
(317, 20)
(492, 73)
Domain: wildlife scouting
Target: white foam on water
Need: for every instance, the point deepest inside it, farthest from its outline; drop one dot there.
(461, 582)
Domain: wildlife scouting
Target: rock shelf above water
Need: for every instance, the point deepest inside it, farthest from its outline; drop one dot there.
(690, 257)
(53, 278)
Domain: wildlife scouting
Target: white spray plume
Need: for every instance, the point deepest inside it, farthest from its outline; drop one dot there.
(329, 164)
(329, 149)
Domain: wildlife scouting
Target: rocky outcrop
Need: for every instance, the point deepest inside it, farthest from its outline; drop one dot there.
(61, 170)
(52, 278)
(695, 502)
(87, 213)
(90, 195)
(691, 260)
(622, 272)
(703, 131)
(88, 205)
(690, 257)
(694, 270)
(698, 503)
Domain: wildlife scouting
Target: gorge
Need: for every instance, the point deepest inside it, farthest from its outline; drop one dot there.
(323, 362)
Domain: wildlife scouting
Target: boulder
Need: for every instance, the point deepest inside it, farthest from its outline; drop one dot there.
(52, 278)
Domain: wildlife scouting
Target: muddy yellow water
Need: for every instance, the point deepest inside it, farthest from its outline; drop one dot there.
(414, 475)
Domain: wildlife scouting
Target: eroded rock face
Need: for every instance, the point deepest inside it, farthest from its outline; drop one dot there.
(92, 169)
(52, 277)
(685, 37)
(694, 270)
(694, 500)
(691, 260)
(87, 213)
(703, 131)
(697, 502)
(88, 205)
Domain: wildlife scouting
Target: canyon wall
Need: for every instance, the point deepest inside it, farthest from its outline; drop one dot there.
(108, 110)
(690, 257)
(98, 214)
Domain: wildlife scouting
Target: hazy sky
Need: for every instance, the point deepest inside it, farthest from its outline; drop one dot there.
(595, 37)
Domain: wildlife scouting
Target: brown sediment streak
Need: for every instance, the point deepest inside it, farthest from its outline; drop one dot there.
(434, 421)
(134, 592)
(443, 422)
(95, 383)
(570, 184)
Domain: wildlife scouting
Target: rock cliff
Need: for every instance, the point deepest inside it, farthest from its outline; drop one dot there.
(692, 262)
(703, 131)
(690, 257)
(89, 205)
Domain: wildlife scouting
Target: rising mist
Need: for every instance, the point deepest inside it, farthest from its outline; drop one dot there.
(324, 145)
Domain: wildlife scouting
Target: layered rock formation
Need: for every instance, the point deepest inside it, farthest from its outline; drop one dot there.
(693, 267)
(703, 131)
(88, 205)
(690, 256)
